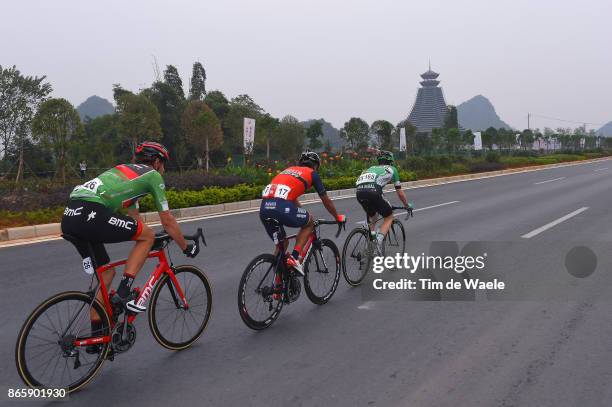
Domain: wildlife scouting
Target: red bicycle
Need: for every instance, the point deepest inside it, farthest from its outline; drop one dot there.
(267, 283)
(57, 348)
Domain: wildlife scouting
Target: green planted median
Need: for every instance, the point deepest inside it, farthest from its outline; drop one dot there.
(42, 201)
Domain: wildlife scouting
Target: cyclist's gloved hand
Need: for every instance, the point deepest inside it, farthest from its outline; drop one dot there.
(341, 218)
(191, 250)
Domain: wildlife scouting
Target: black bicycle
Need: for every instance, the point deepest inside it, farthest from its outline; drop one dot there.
(267, 283)
(361, 246)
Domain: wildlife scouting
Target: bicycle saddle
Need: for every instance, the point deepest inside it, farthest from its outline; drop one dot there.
(272, 221)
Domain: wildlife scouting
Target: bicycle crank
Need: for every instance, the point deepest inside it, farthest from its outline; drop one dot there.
(123, 342)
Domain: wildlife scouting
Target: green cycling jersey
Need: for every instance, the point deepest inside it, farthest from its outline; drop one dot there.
(122, 186)
(377, 176)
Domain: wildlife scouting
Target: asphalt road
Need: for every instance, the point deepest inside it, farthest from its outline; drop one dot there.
(352, 352)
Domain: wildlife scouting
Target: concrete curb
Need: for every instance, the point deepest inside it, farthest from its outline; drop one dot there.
(53, 229)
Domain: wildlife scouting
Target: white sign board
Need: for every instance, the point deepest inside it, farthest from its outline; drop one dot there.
(477, 140)
(249, 135)
(402, 139)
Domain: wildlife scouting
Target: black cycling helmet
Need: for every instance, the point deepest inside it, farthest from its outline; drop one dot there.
(385, 158)
(150, 149)
(310, 159)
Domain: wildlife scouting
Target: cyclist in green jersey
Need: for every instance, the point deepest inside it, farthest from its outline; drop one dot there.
(92, 216)
(369, 191)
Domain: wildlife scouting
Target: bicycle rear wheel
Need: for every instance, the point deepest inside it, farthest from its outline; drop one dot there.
(356, 256)
(322, 272)
(46, 352)
(256, 303)
(173, 326)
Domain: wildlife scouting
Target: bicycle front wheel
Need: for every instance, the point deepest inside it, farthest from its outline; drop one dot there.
(322, 272)
(173, 325)
(47, 353)
(395, 240)
(356, 256)
(258, 304)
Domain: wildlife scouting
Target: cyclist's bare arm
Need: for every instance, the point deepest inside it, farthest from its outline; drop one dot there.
(134, 213)
(329, 205)
(172, 228)
(402, 197)
(297, 203)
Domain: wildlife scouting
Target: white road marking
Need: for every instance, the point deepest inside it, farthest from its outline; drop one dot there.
(541, 229)
(549, 180)
(366, 305)
(600, 169)
(416, 210)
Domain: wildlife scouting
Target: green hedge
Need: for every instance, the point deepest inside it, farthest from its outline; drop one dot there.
(413, 168)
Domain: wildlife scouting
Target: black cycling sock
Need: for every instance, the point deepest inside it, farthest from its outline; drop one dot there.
(124, 286)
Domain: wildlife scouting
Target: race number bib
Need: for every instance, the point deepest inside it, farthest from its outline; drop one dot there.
(92, 185)
(368, 177)
(88, 265)
(276, 191)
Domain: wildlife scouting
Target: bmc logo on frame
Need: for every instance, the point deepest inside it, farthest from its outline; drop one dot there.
(120, 223)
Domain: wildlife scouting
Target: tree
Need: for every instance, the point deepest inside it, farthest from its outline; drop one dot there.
(102, 144)
(217, 101)
(267, 129)
(489, 137)
(290, 136)
(453, 139)
(451, 121)
(172, 78)
(314, 133)
(414, 142)
(197, 87)
(239, 107)
(203, 130)
(138, 119)
(56, 125)
(468, 138)
(437, 139)
(118, 91)
(383, 130)
(170, 106)
(356, 132)
(20, 97)
(526, 138)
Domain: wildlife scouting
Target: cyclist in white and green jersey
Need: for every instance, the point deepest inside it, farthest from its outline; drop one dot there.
(370, 186)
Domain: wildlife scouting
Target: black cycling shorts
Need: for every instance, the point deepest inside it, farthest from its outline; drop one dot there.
(95, 224)
(285, 212)
(374, 202)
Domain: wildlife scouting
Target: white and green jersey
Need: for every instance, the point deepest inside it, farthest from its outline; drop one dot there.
(377, 176)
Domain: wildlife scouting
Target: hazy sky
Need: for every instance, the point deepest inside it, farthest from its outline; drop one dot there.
(329, 58)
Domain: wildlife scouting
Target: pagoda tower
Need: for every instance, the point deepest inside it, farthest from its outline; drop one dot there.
(430, 108)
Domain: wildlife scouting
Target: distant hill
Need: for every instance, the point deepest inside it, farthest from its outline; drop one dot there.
(479, 114)
(329, 133)
(606, 130)
(95, 106)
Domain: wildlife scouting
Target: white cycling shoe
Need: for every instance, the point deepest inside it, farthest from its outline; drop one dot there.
(132, 306)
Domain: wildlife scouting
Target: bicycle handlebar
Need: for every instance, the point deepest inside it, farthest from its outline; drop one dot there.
(341, 225)
(409, 213)
(199, 234)
(163, 236)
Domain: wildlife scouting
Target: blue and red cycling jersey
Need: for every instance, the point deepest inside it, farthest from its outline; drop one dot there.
(292, 183)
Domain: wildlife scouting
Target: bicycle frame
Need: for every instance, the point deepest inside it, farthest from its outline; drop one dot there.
(162, 267)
